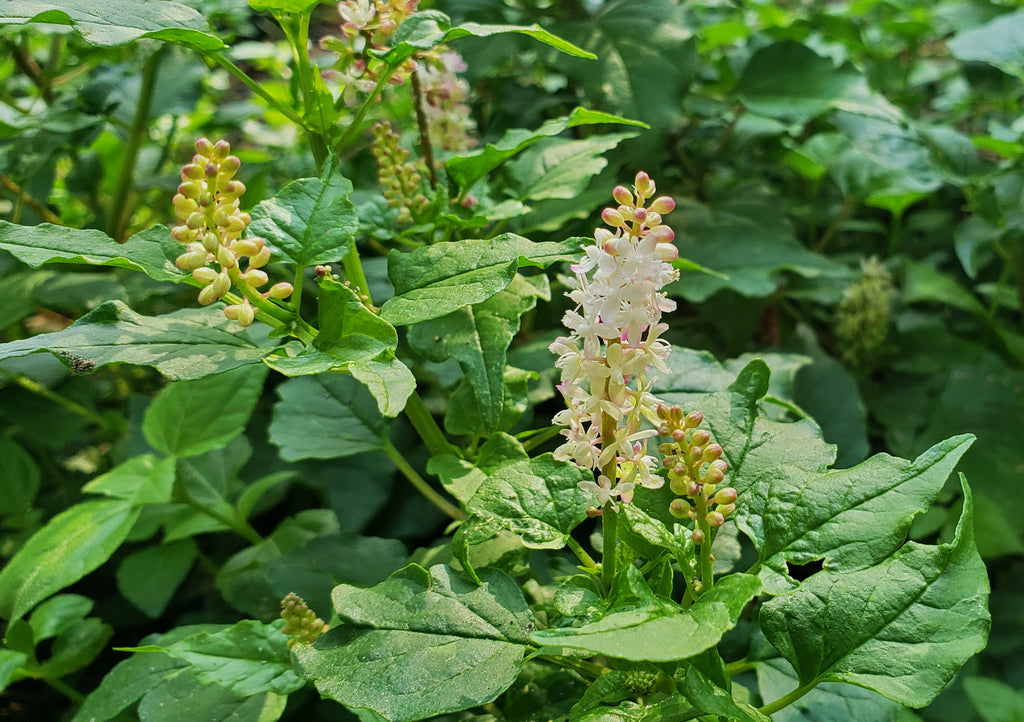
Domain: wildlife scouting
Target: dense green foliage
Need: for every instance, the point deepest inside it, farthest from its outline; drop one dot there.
(848, 189)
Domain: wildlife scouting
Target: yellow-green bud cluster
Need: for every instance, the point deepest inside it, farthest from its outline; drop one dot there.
(211, 225)
(864, 312)
(398, 176)
(640, 681)
(301, 623)
(695, 469)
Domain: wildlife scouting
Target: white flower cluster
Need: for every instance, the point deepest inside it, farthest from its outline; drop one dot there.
(616, 337)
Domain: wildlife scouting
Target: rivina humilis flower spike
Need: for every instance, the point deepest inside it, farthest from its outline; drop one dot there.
(211, 226)
(301, 623)
(616, 338)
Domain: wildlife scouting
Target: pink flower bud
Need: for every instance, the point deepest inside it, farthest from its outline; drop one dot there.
(679, 508)
(712, 452)
(693, 489)
(663, 204)
(715, 518)
(612, 217)
(661, 234)
(211, 170)
(697, 536)
(713, 476)
(230, 165)
(205, 147)
(700, 437)
(221, 149)
(191, 171)
(694, 419)
(643, 184)
(726, 496)
(667, 252)
(622, 196)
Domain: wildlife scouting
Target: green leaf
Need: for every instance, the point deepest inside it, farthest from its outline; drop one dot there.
(562, 169)
(311, 220)
(142, 479)
(827, 702)
(152, 251)
(57, 614)
(435, 280)
(850, 518)
(711, 699)
(662, 633)
(902, 628)
(647, 58)
(189, 418)
(72, 544)
(429, 28)
(19, 479)
(181, 695)
(421, 643)
(116, 22)
(186, 344)
(246, 659)
(10, 663)
(792, 83)
(998, 42)
(478, 337)
(994, 701)
(325, 417)
(150, 577)
(468, 168)
(463, 416)
(75, 647)
(747, 239)
(538, 499)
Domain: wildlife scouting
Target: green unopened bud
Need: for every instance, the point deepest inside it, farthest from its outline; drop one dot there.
(191, 260)
(205, 275)
(713, 476)
(715, 518)
(726, 496)
(679, 485)
(712, 452)
(220, 150)
(679, 508)
(204, 146)
(226, 258)
(261, 258)
(279, 290)
(726, 509)
(301, 623)
(694, 419)
(700, 437)
(698, 537)
(255, 277)
(208, 295)
(247, 247)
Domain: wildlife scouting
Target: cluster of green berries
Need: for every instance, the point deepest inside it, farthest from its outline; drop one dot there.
(864, 312)
(695, 470)
(398, 176)
(301, 623)
(211, 225)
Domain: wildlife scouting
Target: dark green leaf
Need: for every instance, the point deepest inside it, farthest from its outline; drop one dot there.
(562, 169)
(215, 410)
(75, 647)
(792, 83)
(72, 544)
(311, 220)
(325, 417)
(435, 280)
(827, 702)
(902, 628)
(19, 479)
(10, 662)
(422, 643)
(181, 345)
(711, 699)
(181, 695)
(994, 700)
(57, 614)
(150, 577)
(152, 251)
(662, 633)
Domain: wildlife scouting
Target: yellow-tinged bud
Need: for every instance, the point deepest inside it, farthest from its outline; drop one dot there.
(208, 295)
(261, 258)
(205, 275)
(211, 242)
(698, 538)
(679, 508)
(222, 284)
(726, 496)
(255, 277)
(622, 195)
(700, 437)
(205, 147)
(663, 204)
(726, 509)
(280, 290)
(191, 260)
(226, 258)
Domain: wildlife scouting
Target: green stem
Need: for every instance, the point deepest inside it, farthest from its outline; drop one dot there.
(256, 88)
(424, 127)
(427, 428)
(239, 526)
(357, 121)
(420, 483)
(787, 699)
(65, 689)
(742, 665)
(298, 34)
(581, 554)
(610, 534)
(120, 212)
(580, 665)
(355, 273)
(705, 562)
(29, 385)
(535, 438)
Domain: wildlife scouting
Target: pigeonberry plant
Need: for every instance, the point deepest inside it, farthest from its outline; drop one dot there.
(361, 405)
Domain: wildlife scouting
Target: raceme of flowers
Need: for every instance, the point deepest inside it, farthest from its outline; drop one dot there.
(211, 225)
(615, 339)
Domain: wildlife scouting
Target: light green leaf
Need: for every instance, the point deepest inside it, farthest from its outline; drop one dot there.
(662, 633)
(141, 479)
(186, 344)
(994, 700)
(429, 28)
(116, 22)
(72, 544)
(325, 417)
(792, 83)
(421, 643)
(246, 659)
(998, 42)
(562, 169)
(152, 251)
(182, 696)
(849, 518)
(150, 577)
(57, 614)
(902, 628)
(311, 220)
(478, 337)
(288, 6)
(538, 499)
(466, 169)
(10, 662)
(389, 381)
(435, 280)
(189, 418)
(711, 699)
